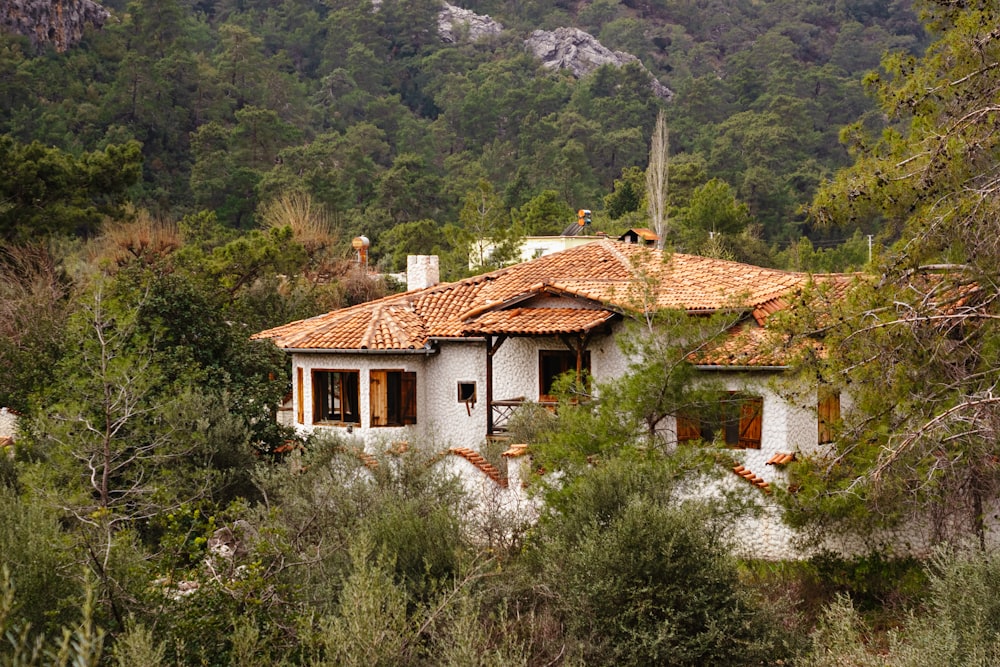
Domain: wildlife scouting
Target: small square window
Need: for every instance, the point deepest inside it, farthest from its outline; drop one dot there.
(466, 392)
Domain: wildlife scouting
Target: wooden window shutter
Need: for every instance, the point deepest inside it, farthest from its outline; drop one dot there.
(828, 409)
(688, 428)
(300, 386)
(751, 422)
(408, 398)
(378, 409)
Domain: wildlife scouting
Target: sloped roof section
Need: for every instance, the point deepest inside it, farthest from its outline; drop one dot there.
(539, 321)
(605, 277)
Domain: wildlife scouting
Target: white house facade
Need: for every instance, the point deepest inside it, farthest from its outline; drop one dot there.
(448, 364)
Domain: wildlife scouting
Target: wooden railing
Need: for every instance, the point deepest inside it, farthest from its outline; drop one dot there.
(505, 409)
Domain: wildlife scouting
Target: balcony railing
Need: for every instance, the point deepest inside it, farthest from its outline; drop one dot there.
(505, 409)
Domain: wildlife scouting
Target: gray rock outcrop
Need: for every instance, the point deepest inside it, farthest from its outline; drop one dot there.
(454, 22)
(57, 22)
(581, 54)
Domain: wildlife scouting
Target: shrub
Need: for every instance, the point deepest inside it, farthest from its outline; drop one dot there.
(641, 579)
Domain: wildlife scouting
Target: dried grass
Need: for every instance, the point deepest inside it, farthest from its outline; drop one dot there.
(139, 236)
(30, 289)
(311, 225)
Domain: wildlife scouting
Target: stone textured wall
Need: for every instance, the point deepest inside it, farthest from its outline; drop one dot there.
(362, 363)
(8, 423)
(422, 271)
(57, 22)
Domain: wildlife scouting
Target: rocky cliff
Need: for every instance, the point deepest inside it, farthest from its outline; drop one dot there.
(455, 22)
(563, 48)
(56, 22)
(581, 53)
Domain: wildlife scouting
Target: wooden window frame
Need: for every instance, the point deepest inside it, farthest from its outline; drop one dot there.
(300, 386)
(392, 397)
(547, 379)
(348, 384)
(827, 415)
(466, 397)
(739, 419)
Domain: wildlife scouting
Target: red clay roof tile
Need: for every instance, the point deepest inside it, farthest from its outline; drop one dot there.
(476, 459)
(622, 277)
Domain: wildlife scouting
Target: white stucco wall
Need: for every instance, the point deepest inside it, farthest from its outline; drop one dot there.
(516, 372)
(448, 421)
(442, 420)
(8, 423)
(363, 363)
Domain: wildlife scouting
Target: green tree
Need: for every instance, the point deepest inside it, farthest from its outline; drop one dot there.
(544, 214)
(713, 211)
(487, 232)
(916, 347)
(627, 194)
(420, 237)
(46, 190)
(642, 579)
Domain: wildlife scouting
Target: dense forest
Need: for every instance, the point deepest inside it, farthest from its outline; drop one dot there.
(392, 131)
(193, 172)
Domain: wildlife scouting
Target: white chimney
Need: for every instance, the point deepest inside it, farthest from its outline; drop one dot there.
(422, 271)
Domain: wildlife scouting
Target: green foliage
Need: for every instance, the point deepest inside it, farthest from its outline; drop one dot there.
(486, 230)
(713, 207)
(851, 255)
(32, 550)
(420, 237)
(959, 626)
(871, 581)
(628, 193)
(234, 103)
(35, 303)
(544, 214)
(80, 646)
(371, 627)
(917, 346)
(46, 190)
(641, 579)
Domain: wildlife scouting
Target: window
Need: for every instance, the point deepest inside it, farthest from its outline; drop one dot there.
(828, 409)
(737, 420)
(335, 397)
(393, 397)
(467, 392)
(552, 364)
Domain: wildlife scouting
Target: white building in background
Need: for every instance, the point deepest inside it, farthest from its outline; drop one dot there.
(448, 364)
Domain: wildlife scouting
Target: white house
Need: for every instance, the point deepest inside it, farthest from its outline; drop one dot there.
(450, 363)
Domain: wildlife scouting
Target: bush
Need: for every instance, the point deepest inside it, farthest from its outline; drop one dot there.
(961, 625)
(642, 580)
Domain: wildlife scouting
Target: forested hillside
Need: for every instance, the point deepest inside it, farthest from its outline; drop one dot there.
(193, 172)
(390, 129)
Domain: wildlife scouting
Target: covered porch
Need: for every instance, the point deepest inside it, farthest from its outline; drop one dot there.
(574, 328)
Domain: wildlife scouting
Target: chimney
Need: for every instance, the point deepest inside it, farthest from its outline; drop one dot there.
(422, 271)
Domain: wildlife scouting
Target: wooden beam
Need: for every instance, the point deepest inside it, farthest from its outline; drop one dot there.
(491, 349)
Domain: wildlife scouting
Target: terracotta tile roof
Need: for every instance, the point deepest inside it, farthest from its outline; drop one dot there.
(643, 233)
(612, 277)
(476, 459)
(749, 476)
(515, 451)
(538, 321)
(781, 458)
(745, 344)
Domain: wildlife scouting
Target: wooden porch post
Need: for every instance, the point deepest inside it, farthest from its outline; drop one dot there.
(578, 346)
(491, 349)
(489, 385)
